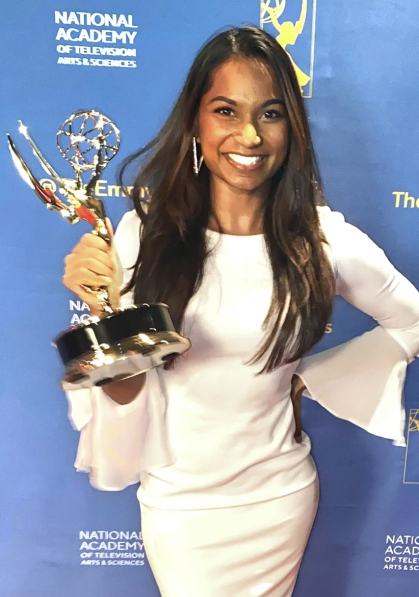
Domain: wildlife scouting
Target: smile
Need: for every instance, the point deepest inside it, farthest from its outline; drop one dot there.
(245, 162)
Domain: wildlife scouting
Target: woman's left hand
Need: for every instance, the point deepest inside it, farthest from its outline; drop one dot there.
(297, 389)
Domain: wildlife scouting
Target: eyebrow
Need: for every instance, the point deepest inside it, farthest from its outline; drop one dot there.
(269, 102)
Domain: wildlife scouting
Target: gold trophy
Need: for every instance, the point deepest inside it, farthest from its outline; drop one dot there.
(119, 343)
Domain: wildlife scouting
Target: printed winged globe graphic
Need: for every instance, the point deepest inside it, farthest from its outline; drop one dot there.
(288, 32)
(414, 420)
(411, 467)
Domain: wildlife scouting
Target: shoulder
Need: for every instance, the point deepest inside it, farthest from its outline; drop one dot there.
(329, 218)
(129, 222)
(343, 237)
(127, 238)
(351, 249)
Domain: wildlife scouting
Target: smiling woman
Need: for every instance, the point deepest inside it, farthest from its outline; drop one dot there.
(244, 133)
(241, 102)
(237, 240)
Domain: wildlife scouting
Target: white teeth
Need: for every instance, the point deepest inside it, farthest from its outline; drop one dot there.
(245, 160)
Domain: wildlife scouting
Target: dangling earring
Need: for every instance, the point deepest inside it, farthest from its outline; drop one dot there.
(196, 165)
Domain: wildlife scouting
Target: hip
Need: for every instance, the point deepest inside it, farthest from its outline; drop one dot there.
(232, 550)
(172, 489)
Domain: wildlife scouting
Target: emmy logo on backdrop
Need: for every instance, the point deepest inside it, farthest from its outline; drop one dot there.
(288, 32)
(120, 343)
(411, 466)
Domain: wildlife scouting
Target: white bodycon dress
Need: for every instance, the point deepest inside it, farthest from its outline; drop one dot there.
(227, 496)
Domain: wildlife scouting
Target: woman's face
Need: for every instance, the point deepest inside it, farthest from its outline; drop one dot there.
(242, 127)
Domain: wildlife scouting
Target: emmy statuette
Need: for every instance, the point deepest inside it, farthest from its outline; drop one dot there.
(119, 343)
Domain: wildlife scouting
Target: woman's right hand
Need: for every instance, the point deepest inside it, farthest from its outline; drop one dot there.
(94, 263)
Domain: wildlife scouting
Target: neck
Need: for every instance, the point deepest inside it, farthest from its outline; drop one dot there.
(238, 212)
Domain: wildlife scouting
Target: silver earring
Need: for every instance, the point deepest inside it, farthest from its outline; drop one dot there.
(196, 164)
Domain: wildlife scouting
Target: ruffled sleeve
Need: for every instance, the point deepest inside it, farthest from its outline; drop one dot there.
(113, 445)
(362, 380)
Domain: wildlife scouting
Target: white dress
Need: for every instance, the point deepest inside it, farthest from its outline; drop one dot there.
(227, 496)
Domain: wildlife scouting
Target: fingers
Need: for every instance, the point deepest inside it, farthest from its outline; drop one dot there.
(95, 305)
(87, 270)
(93, 260)
(93, 263)
(86, 277)
(92, 248)
(87, 297)
(91, 241)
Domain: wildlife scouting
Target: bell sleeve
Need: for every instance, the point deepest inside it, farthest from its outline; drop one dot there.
(112, 446)
(362, 380)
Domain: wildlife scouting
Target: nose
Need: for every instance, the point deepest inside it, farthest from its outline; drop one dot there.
(249, 136)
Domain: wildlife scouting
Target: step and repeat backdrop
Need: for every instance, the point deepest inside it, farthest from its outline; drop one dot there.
(358, 66)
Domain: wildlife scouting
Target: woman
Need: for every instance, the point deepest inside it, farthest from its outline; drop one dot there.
(236, 239)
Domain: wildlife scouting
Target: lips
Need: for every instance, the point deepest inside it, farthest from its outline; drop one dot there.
(245, 162)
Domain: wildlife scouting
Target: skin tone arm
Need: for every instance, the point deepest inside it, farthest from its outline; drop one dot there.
(93, 263)
(297, 388)
(124, 391)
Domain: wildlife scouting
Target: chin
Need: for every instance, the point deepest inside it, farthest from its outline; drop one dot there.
(246, 185)
(242, 182)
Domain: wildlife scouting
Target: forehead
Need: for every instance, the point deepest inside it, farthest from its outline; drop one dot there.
(243, 78)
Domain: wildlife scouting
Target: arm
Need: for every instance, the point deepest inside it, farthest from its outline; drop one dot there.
(297, 388)
(115, 425)
(366, 279)
(95, 263)
(125, 255)
(126, 390)
(362, 380)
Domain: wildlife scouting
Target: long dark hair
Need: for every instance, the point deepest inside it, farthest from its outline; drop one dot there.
(173, 248)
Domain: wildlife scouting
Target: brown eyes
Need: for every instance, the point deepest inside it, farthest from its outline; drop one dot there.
(269, 114)
(224, 111)
(274, 114)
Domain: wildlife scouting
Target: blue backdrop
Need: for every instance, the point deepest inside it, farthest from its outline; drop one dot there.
(358, 64)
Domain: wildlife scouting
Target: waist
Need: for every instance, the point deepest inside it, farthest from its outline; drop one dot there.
(233, 484)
